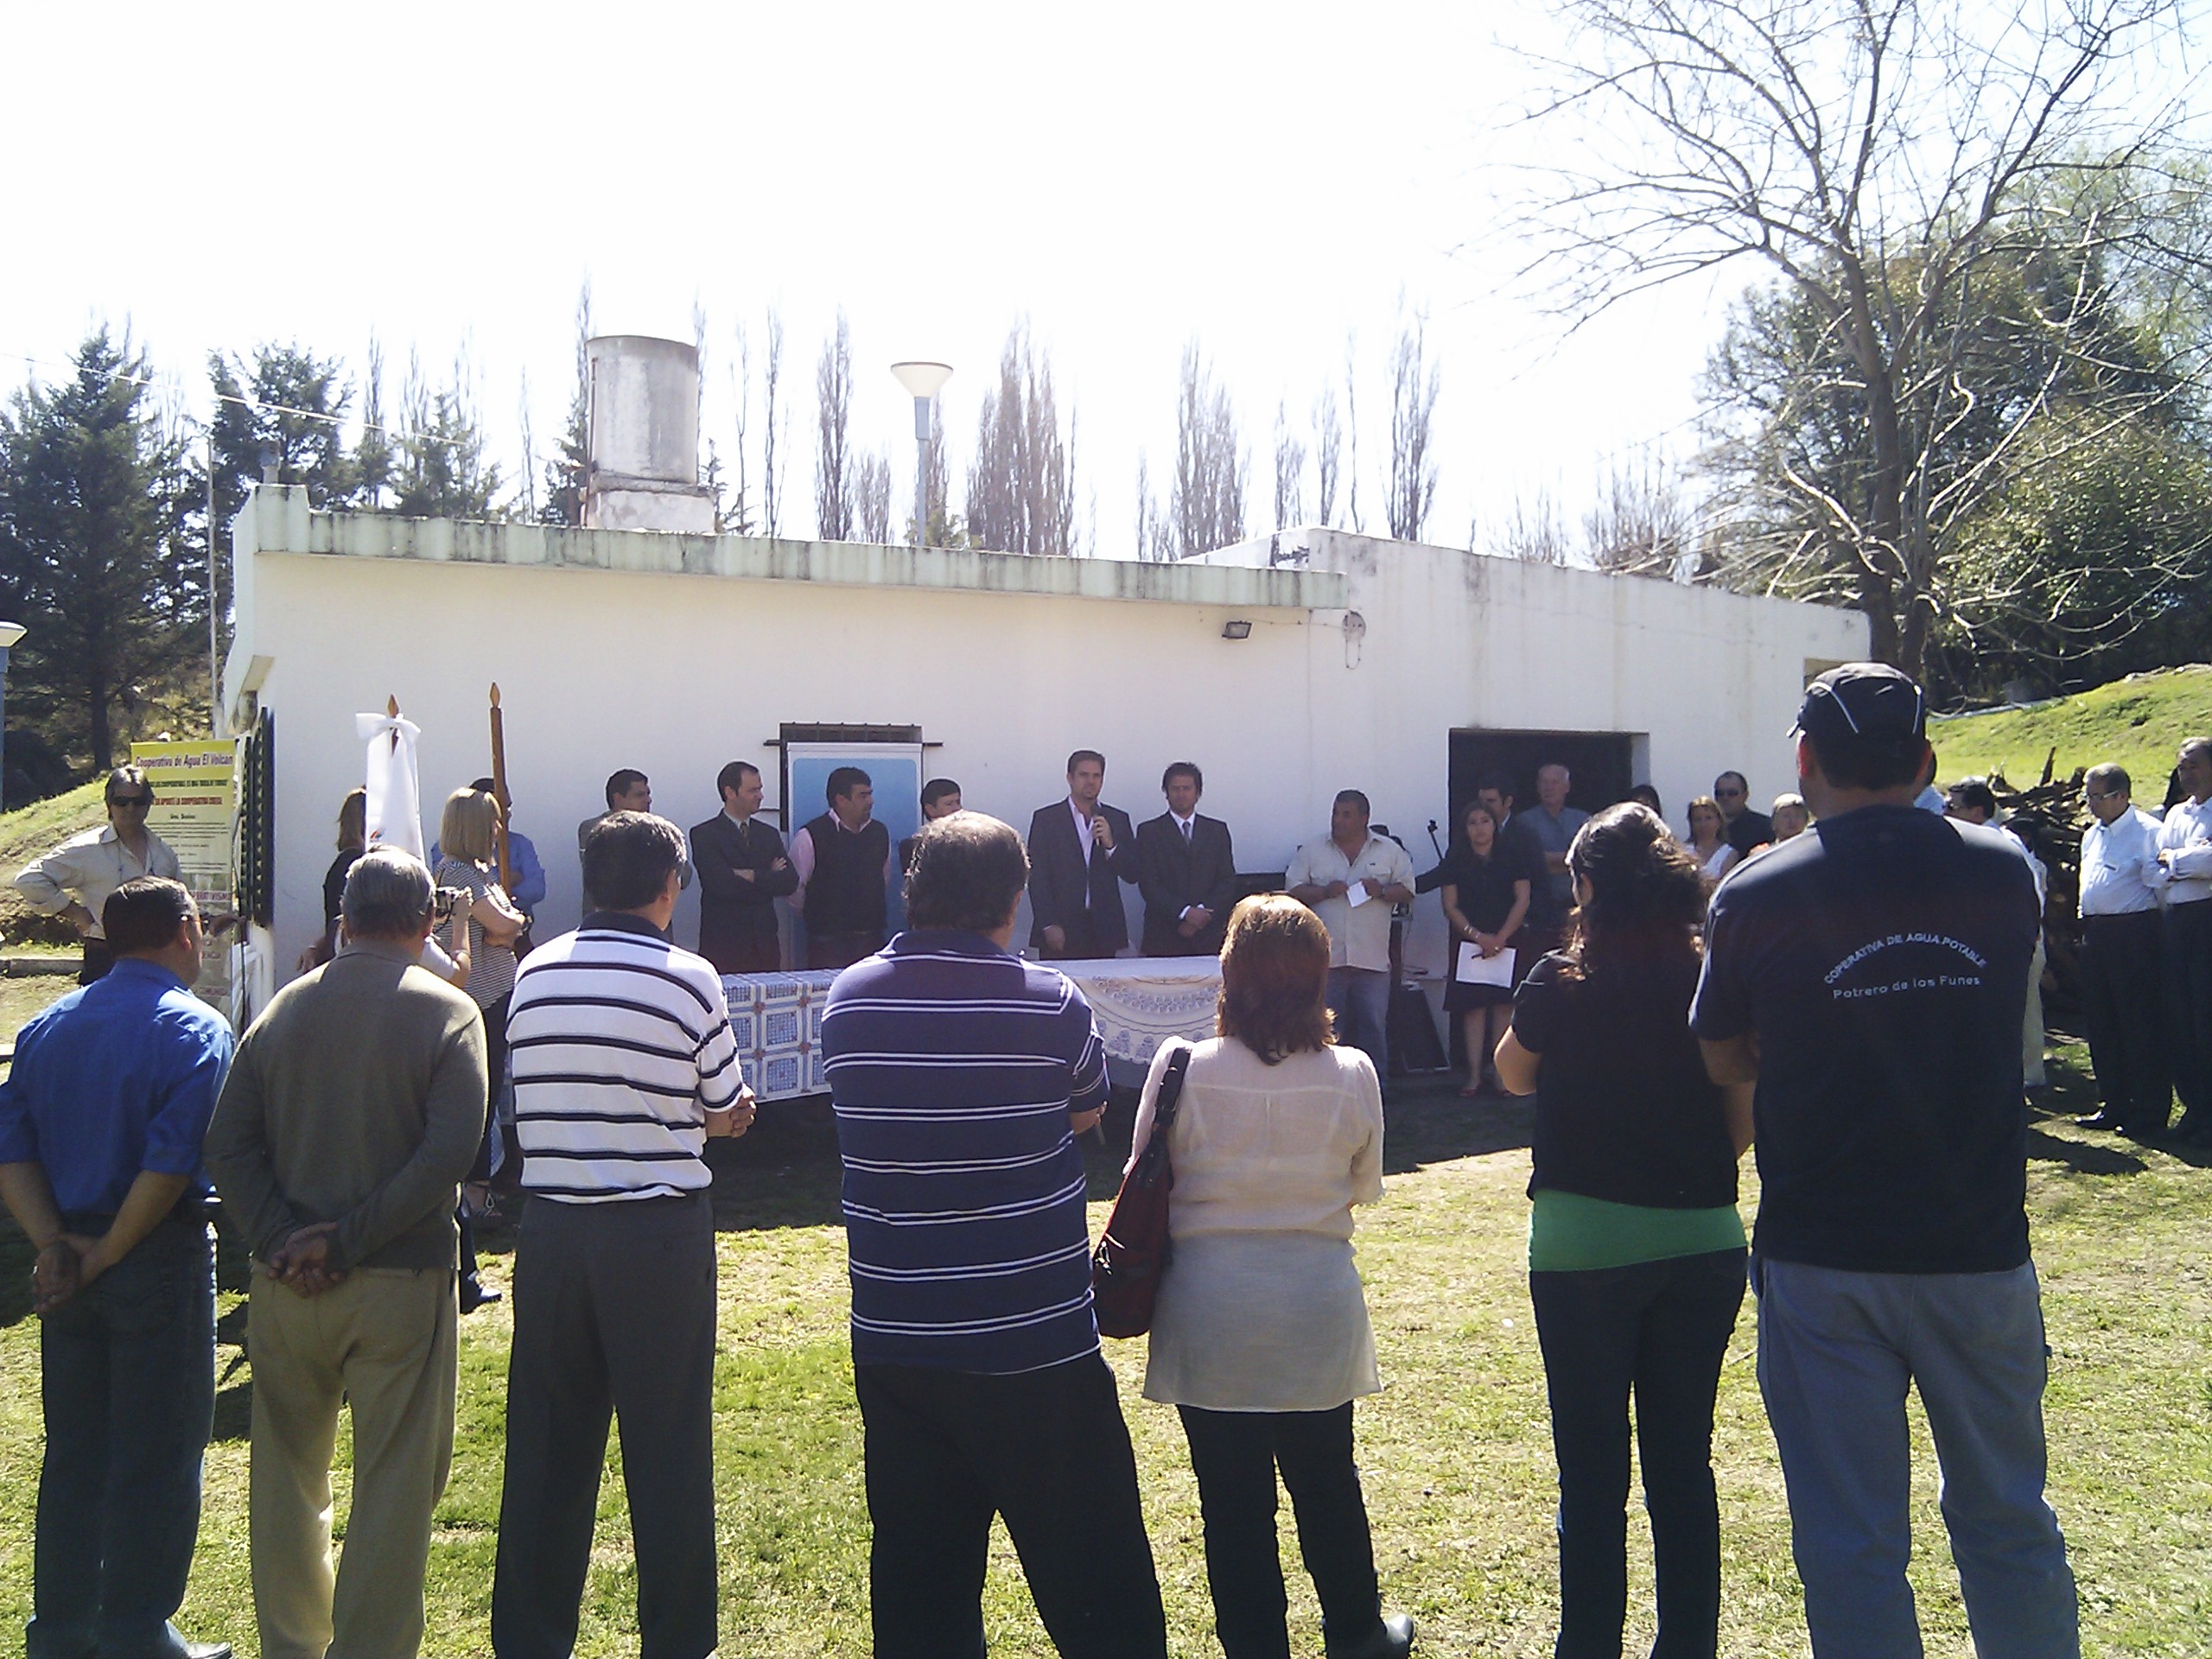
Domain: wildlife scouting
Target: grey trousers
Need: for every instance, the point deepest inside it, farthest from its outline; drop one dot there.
(1837, 1351)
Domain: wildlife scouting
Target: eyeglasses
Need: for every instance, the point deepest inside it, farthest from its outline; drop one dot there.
(2092, 795)
(140, 802)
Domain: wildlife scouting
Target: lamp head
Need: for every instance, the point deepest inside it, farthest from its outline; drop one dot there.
(11, 635)
(922, 379)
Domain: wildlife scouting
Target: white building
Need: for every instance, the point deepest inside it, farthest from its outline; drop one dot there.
(1397, 669)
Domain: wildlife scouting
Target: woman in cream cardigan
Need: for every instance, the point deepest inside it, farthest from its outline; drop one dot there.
(1260, 1338)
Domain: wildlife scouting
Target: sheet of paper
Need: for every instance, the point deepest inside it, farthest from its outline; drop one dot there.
(1356, 895)
(1476, 969)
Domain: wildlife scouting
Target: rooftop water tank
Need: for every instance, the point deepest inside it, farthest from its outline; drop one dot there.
(644, 436)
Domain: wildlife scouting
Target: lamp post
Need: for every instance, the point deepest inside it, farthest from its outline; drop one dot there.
(11, 634)
(924, 381)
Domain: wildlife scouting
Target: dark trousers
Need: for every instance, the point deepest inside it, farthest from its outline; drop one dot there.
(761, 953)
(98, 960)
(614, 1312)
(840, 949)
(1235, 1455)
(2123, 996)
(127, 1374)
(2186, 967)
(1658, 1329)
(1084, 941)
(1048, 1450)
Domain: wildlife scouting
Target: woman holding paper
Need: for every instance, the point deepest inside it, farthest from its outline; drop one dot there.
(1636, 1251)
(1485, 899)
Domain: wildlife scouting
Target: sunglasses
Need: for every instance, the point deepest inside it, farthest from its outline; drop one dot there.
(130, 800)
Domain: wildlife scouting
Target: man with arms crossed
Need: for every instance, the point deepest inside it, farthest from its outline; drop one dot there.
(624, 1067)
(1323, 876)
(961, 1075)
(101, 1121)
(349, 1119)
(1870, 977)
(743, 871)
(1080, 852)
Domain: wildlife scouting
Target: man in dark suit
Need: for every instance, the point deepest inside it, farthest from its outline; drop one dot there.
(1080, 853)
(940, 799)
(1186, 871)
(743, 871)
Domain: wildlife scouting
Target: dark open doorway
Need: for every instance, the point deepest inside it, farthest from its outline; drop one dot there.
(1601, 765)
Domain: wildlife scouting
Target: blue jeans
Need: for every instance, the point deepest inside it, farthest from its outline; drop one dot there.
(1661, 1330)
(1360, 999)
(1837, 1351)
(127, 1371)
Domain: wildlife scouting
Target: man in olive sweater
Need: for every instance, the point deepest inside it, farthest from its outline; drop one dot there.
(352, 1112)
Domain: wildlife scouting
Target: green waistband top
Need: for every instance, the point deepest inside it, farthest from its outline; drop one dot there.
(1569, 1233)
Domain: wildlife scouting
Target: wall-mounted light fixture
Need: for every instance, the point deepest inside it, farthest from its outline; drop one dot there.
(1238, 629)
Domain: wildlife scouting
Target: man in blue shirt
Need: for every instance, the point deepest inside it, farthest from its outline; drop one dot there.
(961, 1076)
(101, 1119)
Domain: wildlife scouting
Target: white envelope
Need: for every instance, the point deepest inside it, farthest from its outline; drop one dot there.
(1476, 969)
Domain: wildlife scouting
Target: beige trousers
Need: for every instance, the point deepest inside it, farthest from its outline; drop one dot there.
(384, 1341)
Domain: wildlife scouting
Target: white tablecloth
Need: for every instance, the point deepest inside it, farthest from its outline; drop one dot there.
(1139, 1001)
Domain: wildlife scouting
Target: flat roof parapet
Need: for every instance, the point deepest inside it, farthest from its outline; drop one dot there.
(284, 524)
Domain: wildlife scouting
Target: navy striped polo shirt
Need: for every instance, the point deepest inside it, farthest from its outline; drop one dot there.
(953, 1066)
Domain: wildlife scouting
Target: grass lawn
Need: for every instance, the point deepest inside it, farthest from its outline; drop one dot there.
(1455, 1451)
(2138, 722)
(30, 832)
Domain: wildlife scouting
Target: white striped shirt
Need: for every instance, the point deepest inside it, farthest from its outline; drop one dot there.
(619, 1044)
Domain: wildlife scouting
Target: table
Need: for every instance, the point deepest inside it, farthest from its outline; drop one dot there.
(1139, 1001)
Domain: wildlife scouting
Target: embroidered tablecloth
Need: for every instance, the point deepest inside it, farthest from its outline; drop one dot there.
(1139, 1001)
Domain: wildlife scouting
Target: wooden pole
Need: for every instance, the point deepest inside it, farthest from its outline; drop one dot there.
(499, 791)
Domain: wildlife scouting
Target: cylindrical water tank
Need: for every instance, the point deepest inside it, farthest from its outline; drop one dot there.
(645, 409)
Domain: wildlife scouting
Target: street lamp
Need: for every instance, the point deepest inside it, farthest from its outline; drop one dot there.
(11, 635)
(924, 381)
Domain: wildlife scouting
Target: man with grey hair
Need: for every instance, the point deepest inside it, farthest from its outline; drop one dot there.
(352, 1112)
(73, 880)
(1552, 823)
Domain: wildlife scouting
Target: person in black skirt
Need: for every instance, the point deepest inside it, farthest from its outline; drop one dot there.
(1485, 901)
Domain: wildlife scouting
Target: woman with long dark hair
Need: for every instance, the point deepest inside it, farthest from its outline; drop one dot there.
(1636, 1249)
(1485, 901)
(1259, 1338)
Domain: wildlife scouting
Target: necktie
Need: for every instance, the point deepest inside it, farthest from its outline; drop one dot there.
(1187, 831)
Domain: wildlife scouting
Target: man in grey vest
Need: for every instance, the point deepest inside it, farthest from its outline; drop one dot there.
(846, 865)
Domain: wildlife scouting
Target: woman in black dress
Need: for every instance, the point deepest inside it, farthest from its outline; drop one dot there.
(1485, 899)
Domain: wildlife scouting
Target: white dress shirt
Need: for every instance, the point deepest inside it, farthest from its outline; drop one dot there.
(2187, 834)
(1359, 934)
(1081, 831)
(2120, 872)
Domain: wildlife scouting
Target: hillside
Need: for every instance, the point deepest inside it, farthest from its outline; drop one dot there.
(2138, 721)
(24, 835)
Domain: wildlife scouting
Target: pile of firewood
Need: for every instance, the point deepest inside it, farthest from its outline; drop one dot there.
(2054, 814)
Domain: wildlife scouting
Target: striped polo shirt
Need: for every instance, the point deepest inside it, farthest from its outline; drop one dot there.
(619, 1044)
(953, 1066)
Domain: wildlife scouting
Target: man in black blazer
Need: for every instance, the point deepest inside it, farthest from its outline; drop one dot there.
(1080, 853)
(1186, 871)
(743, 871)
(940, 799)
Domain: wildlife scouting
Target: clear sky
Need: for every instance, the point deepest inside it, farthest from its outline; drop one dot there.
(1267, 179)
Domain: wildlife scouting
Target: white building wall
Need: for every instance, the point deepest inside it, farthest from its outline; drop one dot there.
(677, 654)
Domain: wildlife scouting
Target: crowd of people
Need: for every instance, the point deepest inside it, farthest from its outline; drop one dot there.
(1850, 1002)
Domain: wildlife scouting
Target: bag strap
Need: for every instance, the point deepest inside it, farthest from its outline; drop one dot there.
(1170, 1090)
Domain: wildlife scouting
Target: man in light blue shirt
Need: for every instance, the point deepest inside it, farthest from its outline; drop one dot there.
(1554, 824)
(101, 1121)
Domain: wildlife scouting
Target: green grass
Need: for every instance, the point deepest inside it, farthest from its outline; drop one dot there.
(2138, 722)
(1455, 1451)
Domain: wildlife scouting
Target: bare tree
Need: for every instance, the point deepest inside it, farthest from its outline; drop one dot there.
(1532, 532)
(945, 527)
(1290, 472)
(1413, 384)
(1642, 524)
(1351, 434)
(528, 483)
(871, 494)
(1205, 499)
(1021, 485)
(1328, 451)
(775, 427)
(1876, 158)
(737, 520)
(833, 460)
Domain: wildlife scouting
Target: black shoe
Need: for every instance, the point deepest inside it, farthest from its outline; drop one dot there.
(2102, 1119)
(1392, 1639)
(474, 1296)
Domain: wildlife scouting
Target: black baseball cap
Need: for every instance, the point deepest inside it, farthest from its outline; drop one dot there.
(1871, 701)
